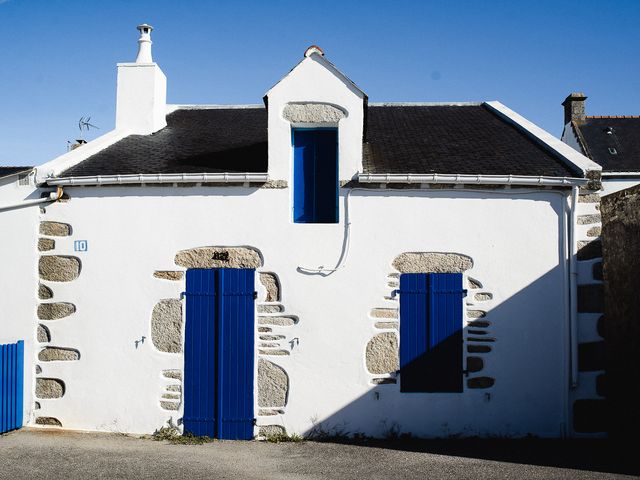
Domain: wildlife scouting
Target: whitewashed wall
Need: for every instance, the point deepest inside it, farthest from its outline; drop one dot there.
(513, 237)
(19, 276)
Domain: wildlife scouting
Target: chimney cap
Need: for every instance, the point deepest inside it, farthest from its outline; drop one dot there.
(144, 26)
(574, 96)
(313, 49)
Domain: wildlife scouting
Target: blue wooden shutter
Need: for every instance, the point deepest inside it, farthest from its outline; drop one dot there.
(200, 359)
(236, 354)
(11, 385)
(431, 332)
(315, 182)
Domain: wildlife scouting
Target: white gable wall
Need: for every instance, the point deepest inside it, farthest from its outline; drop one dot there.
(315, 80)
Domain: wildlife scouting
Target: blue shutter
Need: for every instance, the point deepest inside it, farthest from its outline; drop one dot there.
(199, 353)
(236, 354)
(315, 179)
(219, 353)
(11, 385)
(431, 332)
(303, 193)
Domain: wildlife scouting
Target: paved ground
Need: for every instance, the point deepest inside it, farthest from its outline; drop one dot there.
(70, 455)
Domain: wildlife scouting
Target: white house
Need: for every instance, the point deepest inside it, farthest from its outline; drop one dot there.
(415, 268)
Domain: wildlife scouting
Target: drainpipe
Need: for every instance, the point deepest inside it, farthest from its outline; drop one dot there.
(573, 288)
(53, 197)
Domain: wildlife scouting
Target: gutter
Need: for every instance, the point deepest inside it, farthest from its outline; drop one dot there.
(621, 174)
(437, 178)
(53, 197)
(159, 178)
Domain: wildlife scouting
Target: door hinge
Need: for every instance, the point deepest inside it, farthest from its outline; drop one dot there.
(255, 295)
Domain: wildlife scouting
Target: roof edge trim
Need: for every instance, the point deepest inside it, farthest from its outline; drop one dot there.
(73, 157)
(569, 155)
(459, 179)
(159, 178)
(194, 106)
(425, 104)
(322, 60)
(621, 174)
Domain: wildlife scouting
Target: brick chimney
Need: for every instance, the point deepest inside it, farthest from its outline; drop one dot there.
(142, 91)
(574, 107)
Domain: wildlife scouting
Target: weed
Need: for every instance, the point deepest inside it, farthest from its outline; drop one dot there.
(392, 432)
(323, 433)
(172, 435)
(284, 438)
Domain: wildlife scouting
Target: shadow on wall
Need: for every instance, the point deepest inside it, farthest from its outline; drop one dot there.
(521, 389)
(517, 376)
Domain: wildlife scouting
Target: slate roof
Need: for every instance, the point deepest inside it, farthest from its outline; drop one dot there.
(621, 134)
(452, 139)
(194, 141)
(467, 139)
(6, 171)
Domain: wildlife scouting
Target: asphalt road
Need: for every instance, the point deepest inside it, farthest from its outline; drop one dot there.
(52, 454)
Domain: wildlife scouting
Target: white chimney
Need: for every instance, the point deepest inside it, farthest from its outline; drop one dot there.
(144, 44)
(142, 91)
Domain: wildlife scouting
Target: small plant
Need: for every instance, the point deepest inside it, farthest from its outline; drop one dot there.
(392, 432)
(172, 435)
(323, 433)
(282, 437)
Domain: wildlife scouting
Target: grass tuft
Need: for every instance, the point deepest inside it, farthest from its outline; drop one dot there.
(284, 438)
(172, 435)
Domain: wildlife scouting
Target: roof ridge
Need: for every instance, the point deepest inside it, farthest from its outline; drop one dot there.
(425, 104)
(612, 116)
(212, 106)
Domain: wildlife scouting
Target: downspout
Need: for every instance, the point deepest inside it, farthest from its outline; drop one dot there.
(52, 197)
(573, 289)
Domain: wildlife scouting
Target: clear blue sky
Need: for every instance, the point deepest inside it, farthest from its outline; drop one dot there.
(59, 56)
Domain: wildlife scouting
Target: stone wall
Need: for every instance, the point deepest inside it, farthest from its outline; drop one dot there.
(382, 359)
(588, 404)
(621, 324)
(56, 265)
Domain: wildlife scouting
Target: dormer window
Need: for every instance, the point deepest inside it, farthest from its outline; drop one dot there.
(315, 175)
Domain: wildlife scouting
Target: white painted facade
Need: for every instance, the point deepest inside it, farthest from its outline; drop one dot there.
(19, 275)
(518, 239)
(513, 237)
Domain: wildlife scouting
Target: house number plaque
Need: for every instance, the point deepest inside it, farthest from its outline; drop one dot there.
(222, 256)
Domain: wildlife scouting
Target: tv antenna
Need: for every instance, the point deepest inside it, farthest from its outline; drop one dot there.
(85, 124)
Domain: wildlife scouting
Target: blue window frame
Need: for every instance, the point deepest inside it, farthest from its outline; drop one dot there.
(431, 332)
(315, 175)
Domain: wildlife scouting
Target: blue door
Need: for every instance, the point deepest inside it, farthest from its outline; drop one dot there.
(11, 384)
(315, 175)
(431, 332)
(219, 353)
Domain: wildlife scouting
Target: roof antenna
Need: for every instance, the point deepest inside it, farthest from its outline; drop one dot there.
(83, 124)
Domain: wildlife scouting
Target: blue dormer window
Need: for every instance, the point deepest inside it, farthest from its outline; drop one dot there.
(315, 175)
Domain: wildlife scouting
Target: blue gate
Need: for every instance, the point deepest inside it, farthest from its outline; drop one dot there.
(431, 332)
(11, 382)
(219, 353)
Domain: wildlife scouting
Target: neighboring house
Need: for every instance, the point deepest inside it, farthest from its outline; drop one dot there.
(611, 141)
(319, 263)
